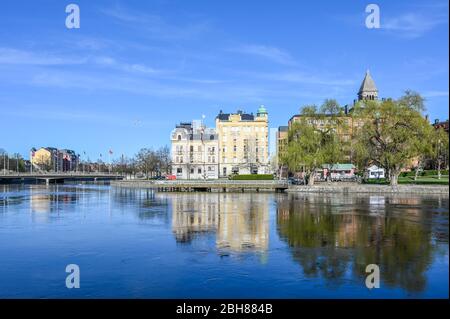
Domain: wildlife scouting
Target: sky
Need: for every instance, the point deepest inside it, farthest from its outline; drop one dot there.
(134, 69)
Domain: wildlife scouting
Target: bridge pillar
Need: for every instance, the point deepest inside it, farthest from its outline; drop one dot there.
(47, 181)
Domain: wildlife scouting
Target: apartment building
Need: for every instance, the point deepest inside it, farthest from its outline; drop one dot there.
(195, 151)
(243, 142)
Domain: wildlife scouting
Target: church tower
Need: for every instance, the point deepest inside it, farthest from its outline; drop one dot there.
(368, 90)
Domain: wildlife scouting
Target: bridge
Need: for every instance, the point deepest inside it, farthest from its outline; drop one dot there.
(205, 185)
(56, 177)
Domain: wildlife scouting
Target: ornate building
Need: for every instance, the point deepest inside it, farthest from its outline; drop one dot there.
(195, 151)
(243, 142)
(368, 89)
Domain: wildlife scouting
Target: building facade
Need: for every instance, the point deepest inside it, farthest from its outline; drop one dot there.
(195, 151)
(53, 159)
(345, 125)
(243, 142)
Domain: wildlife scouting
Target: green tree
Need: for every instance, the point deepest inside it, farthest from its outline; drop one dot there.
(393, 134)
(314, 140)
(439, 152)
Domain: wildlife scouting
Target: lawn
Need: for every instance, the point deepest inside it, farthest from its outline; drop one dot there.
(421, 180)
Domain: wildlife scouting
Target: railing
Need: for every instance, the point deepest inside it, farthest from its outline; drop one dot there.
(23, 174)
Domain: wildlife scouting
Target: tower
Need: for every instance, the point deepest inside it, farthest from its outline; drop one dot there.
(368, 90)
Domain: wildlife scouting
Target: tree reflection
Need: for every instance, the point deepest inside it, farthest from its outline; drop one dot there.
(329, 235)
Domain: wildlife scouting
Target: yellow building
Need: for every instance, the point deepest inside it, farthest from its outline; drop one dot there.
(43, 157)
(243, 143)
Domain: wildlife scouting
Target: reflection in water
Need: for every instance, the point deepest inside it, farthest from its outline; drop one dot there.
(319, 245)
(330, 235)
(240, 221)
(145, 202)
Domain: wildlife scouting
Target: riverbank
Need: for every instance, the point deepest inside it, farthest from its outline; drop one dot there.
(368, 188)
(244, 186)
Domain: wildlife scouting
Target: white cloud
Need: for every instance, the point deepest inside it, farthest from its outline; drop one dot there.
(271, 53)
(154, 26)
(14, 56)
(412, 25)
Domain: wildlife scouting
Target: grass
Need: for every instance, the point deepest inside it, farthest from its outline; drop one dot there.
(421, 180)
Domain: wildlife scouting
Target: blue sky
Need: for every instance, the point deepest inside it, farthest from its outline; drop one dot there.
(136, 68)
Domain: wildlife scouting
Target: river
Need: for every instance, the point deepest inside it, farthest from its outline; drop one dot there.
(137, 243)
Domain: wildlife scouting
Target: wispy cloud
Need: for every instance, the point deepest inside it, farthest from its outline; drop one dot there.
(429, 94)
(11, 56)
(268, 52)
(155, 26)
(14, 56)
(412, 25)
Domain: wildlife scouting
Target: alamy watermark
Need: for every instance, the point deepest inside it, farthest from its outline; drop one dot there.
(373, 279)
(73, 279)
(73, 19)
(373, 19)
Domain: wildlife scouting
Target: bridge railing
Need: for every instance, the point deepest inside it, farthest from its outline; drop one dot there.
(27, 174)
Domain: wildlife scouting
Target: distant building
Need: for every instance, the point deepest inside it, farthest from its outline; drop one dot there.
(438, 124)
(374, 171)
(195, 151)
(243, 142)
(67, 160)
(368, 89)
(345, 125)
(53, 159)
(282, 141)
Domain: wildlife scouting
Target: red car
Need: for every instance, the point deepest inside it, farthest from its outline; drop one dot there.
(171, 177)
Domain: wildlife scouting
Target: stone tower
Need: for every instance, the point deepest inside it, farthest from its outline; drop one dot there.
(368, 90)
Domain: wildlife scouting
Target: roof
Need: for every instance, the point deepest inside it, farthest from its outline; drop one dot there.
(244, 116)
(368, 85)
(339, 167)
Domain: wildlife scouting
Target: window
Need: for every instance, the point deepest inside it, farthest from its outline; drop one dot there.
(179, 170)
(199, 170)
(179, 137)
(211, 137)
(192, 171)
(191, 148)
(234, 148)
(209, 169)
(213, 159)
(199, 148)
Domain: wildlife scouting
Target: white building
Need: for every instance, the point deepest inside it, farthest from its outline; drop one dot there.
(375, 172)
(195, 151)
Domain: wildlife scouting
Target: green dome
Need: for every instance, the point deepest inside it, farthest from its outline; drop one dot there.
(262, 110)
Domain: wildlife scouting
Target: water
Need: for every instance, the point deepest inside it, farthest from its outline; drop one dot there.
(135, 243)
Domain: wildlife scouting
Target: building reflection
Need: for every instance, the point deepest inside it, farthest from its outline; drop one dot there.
(332, 235)
(145, 202)
(193, 215)
(239, 221)
(48, 199)
(243, 222)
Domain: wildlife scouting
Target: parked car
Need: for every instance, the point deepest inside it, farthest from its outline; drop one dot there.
(171, 177)
(296, 181)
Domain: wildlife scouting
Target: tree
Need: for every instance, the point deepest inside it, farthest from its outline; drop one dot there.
(393, 135)
(314, 141)
(439, 153)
